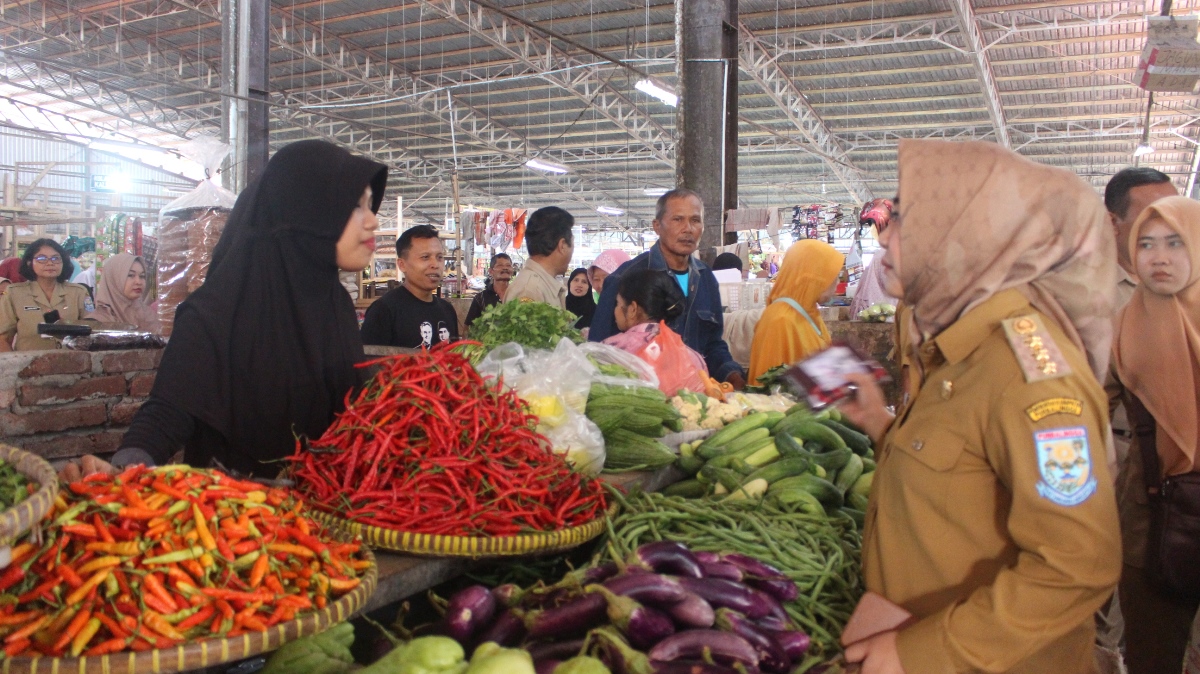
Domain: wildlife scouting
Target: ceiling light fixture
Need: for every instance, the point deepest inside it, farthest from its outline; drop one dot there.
(655, 191)
(543, 165)
(1143, 149)
(609, 210)
(658, 91)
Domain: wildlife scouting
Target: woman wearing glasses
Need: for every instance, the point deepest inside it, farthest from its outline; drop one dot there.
(25, 304)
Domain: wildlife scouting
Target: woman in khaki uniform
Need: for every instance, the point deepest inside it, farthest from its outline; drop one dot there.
(25, 304)
(992, 519)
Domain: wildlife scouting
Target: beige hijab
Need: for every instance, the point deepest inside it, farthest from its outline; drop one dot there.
(1157, 345)
(111, 304)
(979, 219)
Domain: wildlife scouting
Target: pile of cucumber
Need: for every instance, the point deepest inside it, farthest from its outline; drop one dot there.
(632, 418)
(815, 461)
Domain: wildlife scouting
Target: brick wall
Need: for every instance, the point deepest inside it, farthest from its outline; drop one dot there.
(64, 404)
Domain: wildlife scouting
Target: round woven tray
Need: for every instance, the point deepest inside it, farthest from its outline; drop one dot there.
(433, 545)
(20, 518)
(208, 652)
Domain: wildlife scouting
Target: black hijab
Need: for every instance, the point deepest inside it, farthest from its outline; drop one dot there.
(583, 307)
(266, 348)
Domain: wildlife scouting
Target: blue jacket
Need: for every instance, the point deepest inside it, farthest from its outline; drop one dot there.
(702, 324)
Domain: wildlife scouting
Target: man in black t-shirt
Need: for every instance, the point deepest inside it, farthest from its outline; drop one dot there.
(410, 315)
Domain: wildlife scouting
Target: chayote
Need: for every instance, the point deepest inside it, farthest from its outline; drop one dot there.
(583, 664)
(490, 658)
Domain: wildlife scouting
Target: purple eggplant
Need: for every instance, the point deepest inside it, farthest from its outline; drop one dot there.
(545, 666)
(695, 667)
(507, 630)
(722, 570)
(794, 643)
(618, 654)
(706, 557)
(724, 647)
(599, 574)
(771, 655)
(573, 618)
(774, 608)
(667, 557)
(647, 587)
(555, 650)
(467, 612)
(775, 623)
(691, 612)
(783, 589)
(728, 594)
(642, 625)
(753, 567)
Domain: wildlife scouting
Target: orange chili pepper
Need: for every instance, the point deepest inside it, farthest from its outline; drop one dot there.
(69, 576)
(90, 584)
(159, 624)
(105, 534)
(73, 628)
(151, 582)
(131, 513)
(28, 630)
(259, 570)
(16, 648)
(106, 647)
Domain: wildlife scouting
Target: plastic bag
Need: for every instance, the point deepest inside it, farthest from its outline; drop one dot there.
(605, 354)
(189, 229)
(580, 441)
(677, 366)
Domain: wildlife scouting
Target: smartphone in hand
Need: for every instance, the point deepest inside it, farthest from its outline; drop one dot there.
(821, 378)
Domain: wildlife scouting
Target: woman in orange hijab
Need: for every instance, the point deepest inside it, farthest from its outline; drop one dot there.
(791, 327)
(1156, 354)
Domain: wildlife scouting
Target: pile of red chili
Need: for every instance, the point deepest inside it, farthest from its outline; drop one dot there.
(155, 557)
(429, 447)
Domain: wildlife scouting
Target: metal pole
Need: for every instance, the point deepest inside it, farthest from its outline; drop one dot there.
(258, 84)
(229, 103)
(704, 123)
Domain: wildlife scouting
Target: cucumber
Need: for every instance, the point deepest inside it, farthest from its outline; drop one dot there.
(724, 460)
(763, 456)
(823, 490)
(689, 464)
(789, 423)
(752, 490)
(833, 414)
(798, 408)
(719, 489)
(859, 516)
(857, 442)
(747, 439)
(773, 417)
(741, 467)
(815, 431)
(723, 476)
(674, 425)
(857, 501)
(862, 486)
(629, 451)
(687, 489)
(788, 446)
(685, 449)
(783, 468)
(830, 461)
(729, 433)
(817, 470)
(849, 473)
(798, 498)
(868, 465)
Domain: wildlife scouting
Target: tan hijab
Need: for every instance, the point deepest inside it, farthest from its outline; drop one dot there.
(979, 219)
(1157, 346)
(111, 304)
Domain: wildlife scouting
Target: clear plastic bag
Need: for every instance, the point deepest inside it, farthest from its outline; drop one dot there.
(605, 354)
(189, 229)
(581, 442)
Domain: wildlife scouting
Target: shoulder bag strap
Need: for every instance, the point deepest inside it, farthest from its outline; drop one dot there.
(796, 305)
(1145, 430)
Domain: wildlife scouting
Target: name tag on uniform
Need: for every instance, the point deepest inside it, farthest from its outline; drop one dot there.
(33, 308)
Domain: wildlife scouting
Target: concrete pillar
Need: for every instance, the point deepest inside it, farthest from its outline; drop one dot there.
(706, 145)
(245, 82)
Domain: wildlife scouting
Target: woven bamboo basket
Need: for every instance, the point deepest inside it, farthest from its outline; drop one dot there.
(473, 547)
(20, 518)
(208, 652)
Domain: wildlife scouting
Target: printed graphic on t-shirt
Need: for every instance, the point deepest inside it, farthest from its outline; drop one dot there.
(443, 332)
(426, 334)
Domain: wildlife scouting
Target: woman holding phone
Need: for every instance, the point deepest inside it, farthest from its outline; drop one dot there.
(992, 518)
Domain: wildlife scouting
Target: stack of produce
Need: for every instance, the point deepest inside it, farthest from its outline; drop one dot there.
(329, 653)
(152, 558)
(877, 313)
(14, 486)
(700, 412)
(816, 461)
(663, 608)
(534, 325)
(429, 447)
(819, 554)
(632, 418)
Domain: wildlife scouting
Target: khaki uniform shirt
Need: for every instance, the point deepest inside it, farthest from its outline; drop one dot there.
(992, 518)
(533, 282)
(21, 310)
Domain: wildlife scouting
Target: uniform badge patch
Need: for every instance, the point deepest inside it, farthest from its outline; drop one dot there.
(1065, 465)
(1045, 408)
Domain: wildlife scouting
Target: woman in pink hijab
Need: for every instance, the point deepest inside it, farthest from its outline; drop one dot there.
(121, 295)
(605, 264)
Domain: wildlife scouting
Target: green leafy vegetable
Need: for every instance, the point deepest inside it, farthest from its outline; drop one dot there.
(531, 324)
(14, 487)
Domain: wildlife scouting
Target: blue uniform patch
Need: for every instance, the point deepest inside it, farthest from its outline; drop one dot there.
(1065, 465)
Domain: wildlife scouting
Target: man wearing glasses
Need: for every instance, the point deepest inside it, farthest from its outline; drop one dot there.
(27, 304)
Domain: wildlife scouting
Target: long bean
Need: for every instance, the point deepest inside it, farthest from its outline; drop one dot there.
(821, 555)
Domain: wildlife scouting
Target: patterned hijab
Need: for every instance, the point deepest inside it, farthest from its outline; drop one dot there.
(112, 306)
(1158, 337)
(979, 219)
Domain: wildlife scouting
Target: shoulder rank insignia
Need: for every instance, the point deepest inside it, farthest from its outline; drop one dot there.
(1036, 352)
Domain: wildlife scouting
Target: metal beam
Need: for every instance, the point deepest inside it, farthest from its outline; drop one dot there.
(758, 62)
(977, 49)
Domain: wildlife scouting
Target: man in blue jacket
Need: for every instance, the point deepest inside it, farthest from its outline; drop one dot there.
(678, 221)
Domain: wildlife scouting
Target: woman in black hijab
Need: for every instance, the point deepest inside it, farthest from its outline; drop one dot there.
(265, 350)
(579, 298)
